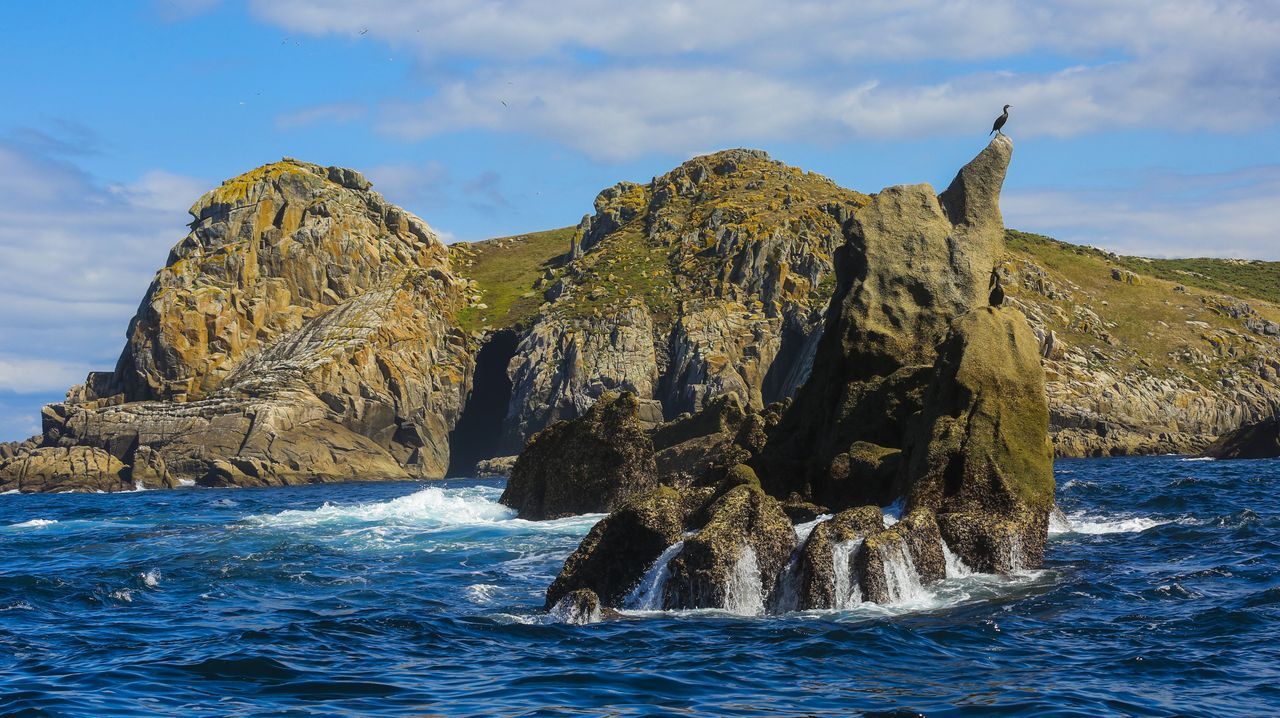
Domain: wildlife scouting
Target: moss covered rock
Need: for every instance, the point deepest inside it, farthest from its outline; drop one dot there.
(981, 447)
(747, 539)
(588, 465)
(613, 557)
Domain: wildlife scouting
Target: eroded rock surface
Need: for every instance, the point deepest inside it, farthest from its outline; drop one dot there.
(303, 331)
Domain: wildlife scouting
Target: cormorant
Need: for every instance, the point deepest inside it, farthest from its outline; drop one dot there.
(1000, 121)
(996, 298)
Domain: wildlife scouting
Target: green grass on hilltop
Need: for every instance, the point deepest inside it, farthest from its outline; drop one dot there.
(1251, 279)
(511, 274)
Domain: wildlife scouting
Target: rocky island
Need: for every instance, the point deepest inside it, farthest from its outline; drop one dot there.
(307, 330)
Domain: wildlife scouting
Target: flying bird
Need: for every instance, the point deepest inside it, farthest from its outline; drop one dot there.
(1000, 121)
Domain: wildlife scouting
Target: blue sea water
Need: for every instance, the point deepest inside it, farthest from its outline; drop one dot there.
(1161, 596)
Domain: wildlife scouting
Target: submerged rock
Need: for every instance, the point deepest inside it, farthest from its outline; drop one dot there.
(1260, 440)
(588, 465)
(578, 608)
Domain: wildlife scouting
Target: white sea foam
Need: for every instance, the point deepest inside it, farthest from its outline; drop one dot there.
(803, 530)
(150, 578)
(432, 506)
(481, 593)
(743, 594)
(648, 594)
(10, 491)
(1198, 458)
(848, 592)
(956, 567)
(33, 523)
(123, 594)
(893, 512)
(1061, 524)
(901, 579)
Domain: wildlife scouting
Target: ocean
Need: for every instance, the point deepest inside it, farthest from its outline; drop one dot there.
(1160, 596)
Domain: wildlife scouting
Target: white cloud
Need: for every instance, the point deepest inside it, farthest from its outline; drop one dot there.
(410, 184)
(617, 80)
(32, 375)
(1231, 214)
(76, 256)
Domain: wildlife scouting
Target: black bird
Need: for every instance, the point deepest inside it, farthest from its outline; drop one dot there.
(1000, 121)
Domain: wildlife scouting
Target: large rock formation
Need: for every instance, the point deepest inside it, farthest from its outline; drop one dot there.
(980, 455)
(919, 392)
(303, 331)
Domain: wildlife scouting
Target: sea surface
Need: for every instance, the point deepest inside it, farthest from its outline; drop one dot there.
(1160, 597)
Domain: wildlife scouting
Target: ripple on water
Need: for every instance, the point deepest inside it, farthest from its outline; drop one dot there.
(1159, 597)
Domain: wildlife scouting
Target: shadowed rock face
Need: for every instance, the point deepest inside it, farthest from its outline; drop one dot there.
(1260, 440)
(913, 262)
(588, 465)
(303, 331)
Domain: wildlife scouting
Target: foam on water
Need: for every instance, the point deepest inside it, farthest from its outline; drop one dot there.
(150, 578)
(848, 592)
(955, 565)
(33, 523)
(1079, 522)
(901, 579)
(430, 507)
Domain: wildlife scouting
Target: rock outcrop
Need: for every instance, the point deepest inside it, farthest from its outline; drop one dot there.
(591, 464)
(919, 392)
(303, 331)
(707, 281)
(1260, 440)
(980, 456)
(64, 469)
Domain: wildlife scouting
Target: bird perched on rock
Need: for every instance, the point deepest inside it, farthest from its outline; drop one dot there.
(1000, 121)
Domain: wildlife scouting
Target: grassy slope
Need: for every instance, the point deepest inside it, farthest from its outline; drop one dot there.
(510, 274)
(1150, 325)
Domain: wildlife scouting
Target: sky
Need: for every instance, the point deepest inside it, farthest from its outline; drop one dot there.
(1142, 127)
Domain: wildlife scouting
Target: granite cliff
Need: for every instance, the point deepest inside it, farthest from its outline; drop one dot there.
(304, 330)
(924, 391)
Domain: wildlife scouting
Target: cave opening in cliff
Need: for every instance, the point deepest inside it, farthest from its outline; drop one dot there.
(478, 434)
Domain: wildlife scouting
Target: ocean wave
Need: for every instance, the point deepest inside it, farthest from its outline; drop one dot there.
(1198, 458)
(1081, 523)
(429, 507)
(33, 523)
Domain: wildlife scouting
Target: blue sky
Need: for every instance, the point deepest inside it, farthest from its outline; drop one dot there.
(1143, 127)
